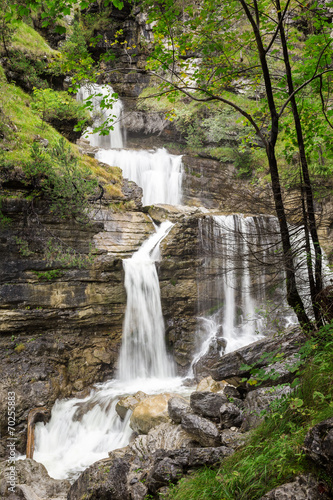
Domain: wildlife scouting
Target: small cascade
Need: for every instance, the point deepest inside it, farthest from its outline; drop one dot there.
(112, 114)
(143, 353)
(82, 431)
(158, 173)
(240, 255)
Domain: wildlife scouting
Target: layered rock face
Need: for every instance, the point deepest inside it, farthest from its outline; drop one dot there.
(61, 326)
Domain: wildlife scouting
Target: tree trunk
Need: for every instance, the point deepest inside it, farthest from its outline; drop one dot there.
(309, 219)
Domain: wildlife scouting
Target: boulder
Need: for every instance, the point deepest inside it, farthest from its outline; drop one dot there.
(208, 384)
(202, 429)
(281, 372)
(32, 482)
(259, 400)
(207, 404)
(105, 479)
(150, 413)
(318, 444)
(129, 403)
(231, 416)
(232, 437)
(211, 385)
(168, 467)
(230, 365)
(302, 488)
(177, 407)
(165, 436)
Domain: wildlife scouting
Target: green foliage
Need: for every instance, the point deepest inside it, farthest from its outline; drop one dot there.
(23, 247)
(273, 454)
(31, 72)
(58, 105)
(50, 275)
(75, 58)
(62, 182)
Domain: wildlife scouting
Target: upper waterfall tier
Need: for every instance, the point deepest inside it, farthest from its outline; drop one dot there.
(158, 173)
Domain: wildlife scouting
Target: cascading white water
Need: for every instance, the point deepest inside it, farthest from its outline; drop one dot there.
(158, 173)
(82, 431)
(231, 243)
(112, 115)
(143, 352)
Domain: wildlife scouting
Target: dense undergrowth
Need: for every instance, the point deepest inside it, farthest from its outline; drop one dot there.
(273, 454)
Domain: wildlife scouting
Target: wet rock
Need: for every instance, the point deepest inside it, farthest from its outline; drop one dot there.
(169, 466)
(129, 403)
(32, 482)
(303, 488)
(230, 364)
(165, 436)
(318, 444)
(105, 479)
(164, 472)
(202, 429)
(150, 413)
(259, 400)
(177, 408)
(231, 416)
(207, 404)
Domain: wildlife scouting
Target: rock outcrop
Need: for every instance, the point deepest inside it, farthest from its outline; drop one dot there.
(302, 488)
(32, 482)
(318, 445)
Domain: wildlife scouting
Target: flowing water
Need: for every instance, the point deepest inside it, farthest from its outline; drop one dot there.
(157, 172)
(82, 431)
(241, 267)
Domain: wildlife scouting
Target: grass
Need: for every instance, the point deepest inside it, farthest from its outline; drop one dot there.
(27, 40)
(24, 124)
(273, 454)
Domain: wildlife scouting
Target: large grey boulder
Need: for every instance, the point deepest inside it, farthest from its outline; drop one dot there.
(318, 444)
(230, 416)
(207, 404)
(259, 400)
(169, 466)
(32, 482)
(177, 408)
(203, 430)
(105, 479)
(230, 365)
(165, 436)
(302, 488)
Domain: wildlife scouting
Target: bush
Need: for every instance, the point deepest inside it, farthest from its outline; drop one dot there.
(51, 105)
(57, 176)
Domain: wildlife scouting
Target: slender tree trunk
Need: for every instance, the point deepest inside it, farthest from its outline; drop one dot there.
(293, 297)
(315, 281)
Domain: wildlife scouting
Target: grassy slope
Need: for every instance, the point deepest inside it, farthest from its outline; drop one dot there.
(21, 123)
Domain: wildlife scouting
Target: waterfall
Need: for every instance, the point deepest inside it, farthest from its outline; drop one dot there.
(240, 254)
(82, 431)
(112, 115)
(143, 353)
(158, 173)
